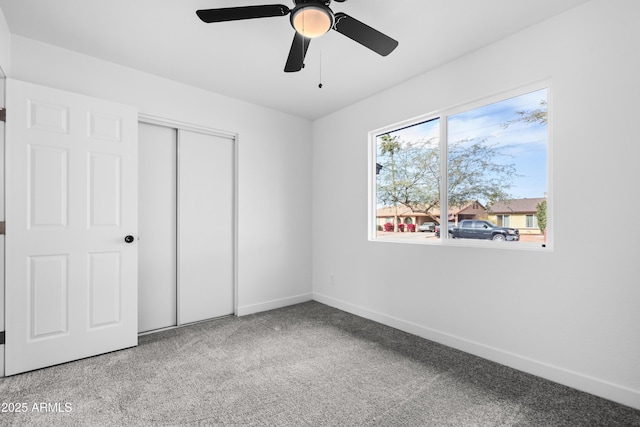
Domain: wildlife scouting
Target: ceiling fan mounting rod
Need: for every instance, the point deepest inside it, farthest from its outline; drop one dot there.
(304, 2)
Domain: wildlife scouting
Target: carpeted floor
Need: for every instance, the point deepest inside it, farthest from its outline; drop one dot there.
(304, 365)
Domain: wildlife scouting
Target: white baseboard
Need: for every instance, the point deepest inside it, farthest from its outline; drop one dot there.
(2, 360)
(273, 304)
(576, 380)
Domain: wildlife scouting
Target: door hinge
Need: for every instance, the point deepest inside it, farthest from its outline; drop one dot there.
(3, 114)
(2, 228)
(1, 337)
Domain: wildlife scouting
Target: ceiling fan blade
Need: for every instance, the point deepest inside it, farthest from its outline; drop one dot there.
(299, 47)
(364, 34)
(239, 13)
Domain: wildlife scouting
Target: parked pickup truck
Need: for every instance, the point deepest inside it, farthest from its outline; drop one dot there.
(480, 229)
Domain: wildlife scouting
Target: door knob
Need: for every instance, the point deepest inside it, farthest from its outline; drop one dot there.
(128, 239)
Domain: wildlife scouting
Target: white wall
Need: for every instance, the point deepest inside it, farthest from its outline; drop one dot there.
(5, 45)
(571, 314)
(274, 159)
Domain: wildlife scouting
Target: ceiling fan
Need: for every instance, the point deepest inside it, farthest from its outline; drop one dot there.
(310, 19)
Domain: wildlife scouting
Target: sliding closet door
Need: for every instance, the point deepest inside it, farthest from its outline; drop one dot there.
(205, 224)
(157, 227)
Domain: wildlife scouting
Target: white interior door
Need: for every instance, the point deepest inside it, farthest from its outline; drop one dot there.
(157, 227)
(186, 226)
(71, 279)
(205, 226)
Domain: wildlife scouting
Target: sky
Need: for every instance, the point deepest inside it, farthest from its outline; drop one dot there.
(524, 144)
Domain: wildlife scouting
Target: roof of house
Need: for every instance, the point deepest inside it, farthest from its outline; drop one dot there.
(388, 211)
(516, 206)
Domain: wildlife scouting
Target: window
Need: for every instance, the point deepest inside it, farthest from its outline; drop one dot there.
(482, 161)
(503, 220)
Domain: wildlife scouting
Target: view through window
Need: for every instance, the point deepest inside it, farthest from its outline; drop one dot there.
(493, 158)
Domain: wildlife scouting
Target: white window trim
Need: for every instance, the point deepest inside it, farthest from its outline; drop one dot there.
(443, 115)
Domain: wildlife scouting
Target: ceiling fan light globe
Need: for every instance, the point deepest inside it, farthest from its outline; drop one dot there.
(312, 21)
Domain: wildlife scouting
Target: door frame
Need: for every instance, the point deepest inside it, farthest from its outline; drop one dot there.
(179, 125)
(3, 83)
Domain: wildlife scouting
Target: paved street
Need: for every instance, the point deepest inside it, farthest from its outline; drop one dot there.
(421, 237)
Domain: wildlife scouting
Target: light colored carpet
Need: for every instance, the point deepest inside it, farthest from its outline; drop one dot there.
(304, 365)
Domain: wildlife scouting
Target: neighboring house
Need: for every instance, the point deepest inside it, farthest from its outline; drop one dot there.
(386, 214)
(518, 213)
(473, 210)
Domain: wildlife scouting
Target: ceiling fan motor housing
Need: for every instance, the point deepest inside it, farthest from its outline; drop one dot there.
(312, 18)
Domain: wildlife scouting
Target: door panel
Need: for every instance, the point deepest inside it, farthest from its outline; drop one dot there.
(206, 224)
(105, 289)
(104, 190)
(71, 280)
(47, 171)
(158, 222)
(47, 116)
(48, 293)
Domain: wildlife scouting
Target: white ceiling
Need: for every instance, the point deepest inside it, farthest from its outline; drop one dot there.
(245, 59)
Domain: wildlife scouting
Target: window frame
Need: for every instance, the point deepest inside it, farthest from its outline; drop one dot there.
(443, 115)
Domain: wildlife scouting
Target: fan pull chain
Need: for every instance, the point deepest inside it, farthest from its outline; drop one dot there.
(320, 84)
(304, 40)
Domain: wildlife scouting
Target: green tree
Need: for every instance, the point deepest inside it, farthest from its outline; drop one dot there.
(389, 146)
(411, 175)
(541, 215)
(477, 172)
(412, 178)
